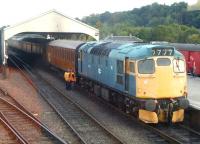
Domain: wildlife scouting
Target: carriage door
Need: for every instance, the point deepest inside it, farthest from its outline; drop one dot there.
(126, 74)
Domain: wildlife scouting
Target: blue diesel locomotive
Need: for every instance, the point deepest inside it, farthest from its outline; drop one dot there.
(144, 79)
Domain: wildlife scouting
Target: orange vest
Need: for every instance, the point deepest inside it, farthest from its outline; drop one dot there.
(69, 76)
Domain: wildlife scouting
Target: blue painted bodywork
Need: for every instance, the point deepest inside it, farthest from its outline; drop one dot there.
(102, 67)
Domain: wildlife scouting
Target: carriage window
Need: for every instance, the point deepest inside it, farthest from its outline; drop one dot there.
(179, 66)
(163, 62)
(132, 67)
(146, 66)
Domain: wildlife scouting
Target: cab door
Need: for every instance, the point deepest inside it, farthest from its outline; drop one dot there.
(130, 80)
(126, 74)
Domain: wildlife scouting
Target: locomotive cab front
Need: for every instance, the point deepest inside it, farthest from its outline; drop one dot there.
(161, 86)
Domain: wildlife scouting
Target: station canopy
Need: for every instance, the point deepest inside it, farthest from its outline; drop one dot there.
(51, 22)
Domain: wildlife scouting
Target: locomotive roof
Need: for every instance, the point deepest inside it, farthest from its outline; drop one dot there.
(120, 50)
(72, 44)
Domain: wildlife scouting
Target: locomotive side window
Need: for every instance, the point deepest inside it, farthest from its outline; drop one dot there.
(146, 66)
(120, 67)
(179, 66)
(132, 67)
(119, 79)
(163, 62)
(106, 63)
(92, 59)
(99, 60)
(120, 70)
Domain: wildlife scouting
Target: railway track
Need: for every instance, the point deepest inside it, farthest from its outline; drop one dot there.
(21, 126)
(173, 134)
(84, 126)
(181, 133)
(7, 135)
(177, 133)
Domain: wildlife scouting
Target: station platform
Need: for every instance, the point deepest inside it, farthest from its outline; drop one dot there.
(194, 91)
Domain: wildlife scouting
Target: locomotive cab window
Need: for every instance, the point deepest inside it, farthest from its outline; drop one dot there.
(146, 66)
(163, 61)
(179, 66)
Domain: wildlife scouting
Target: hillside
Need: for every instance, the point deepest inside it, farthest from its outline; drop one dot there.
(150, 15)
(172, 23)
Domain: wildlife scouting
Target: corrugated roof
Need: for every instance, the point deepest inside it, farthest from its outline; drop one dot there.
(73, 44)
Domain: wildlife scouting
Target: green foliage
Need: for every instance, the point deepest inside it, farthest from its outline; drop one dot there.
(151, 23)
(150, 15)
(194, 38)
(170, 33)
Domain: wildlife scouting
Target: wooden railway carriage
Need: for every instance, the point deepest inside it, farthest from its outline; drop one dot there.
(62, 54)
(28, 43)
(143, 78)
(192, 56)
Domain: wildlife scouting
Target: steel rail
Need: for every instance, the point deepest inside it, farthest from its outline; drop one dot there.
(34, 120)
(57, 111)
(150, 127)
(157, 131)
(77, 105)
(13, 130)
(81, 140)
(85, 111)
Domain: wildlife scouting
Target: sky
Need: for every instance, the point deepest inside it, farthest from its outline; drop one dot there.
(15, 11)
